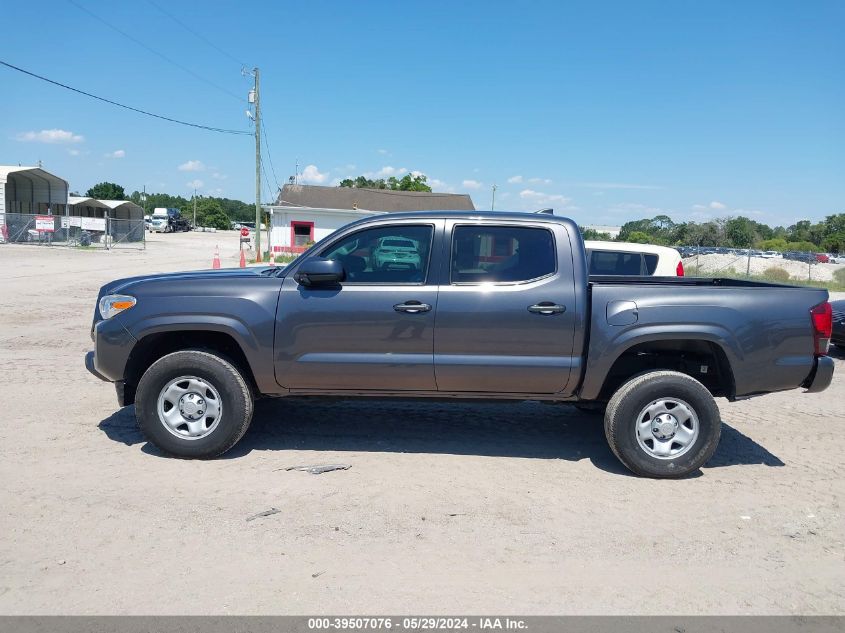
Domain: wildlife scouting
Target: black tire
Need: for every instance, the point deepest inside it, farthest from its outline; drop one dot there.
(235, 398)
(624, 408)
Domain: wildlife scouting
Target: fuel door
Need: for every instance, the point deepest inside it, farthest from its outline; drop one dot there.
(622, 312)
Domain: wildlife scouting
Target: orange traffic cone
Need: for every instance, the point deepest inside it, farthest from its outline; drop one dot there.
(243, 259)
(215, 263)
(272, 259)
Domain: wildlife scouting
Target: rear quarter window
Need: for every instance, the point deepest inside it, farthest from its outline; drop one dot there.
(617, 263)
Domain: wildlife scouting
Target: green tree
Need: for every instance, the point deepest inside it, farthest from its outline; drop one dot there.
(210, 213)
(408, 182)
(774, 244)
(639, 237)
(592, 234)
(106, 191)
(834, 243)
(740, 232)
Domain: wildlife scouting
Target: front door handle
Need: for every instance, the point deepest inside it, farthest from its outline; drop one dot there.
(412, 307)
(546, 307)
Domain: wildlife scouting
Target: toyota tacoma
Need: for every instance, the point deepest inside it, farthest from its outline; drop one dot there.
(491, 306)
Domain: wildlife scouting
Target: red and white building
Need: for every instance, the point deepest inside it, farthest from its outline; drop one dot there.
(304, 214)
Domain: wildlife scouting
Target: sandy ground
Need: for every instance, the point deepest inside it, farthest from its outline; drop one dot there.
(715, 263)
(447, 508)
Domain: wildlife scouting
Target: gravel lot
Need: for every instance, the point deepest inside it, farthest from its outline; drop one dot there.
(716, 264)
(447, 508)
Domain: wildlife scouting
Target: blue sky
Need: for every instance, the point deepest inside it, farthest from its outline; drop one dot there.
(606, 111)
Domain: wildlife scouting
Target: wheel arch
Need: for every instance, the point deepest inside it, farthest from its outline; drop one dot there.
(158, 344)
(696, 355)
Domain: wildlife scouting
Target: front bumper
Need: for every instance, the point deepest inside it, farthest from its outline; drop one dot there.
(89, 365)
(821, 376)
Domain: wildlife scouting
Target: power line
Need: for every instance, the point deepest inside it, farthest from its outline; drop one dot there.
(269, 153)
(154, 52)
(196, 34)
(271, 197)
(120, 105)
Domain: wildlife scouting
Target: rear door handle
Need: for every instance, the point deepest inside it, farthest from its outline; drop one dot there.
(546, 307)
(412, 307)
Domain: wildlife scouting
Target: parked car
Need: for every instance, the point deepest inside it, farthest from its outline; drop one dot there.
(771, 255)
(838, 316)
(396, 252)
(836, 259)
(148, 223)
(822, 258)
(628, 258)
(501, 309)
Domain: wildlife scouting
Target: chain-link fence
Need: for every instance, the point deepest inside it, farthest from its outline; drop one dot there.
(71, 231)
(793, 267)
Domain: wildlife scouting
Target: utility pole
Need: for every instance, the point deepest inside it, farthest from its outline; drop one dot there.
(493, 202)
(257, 168)
(195, 208)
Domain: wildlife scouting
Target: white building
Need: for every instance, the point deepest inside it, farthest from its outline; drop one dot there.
(612, 231)
(304, 214)
(31, 190)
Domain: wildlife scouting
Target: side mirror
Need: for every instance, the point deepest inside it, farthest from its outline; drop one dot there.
(320, 272)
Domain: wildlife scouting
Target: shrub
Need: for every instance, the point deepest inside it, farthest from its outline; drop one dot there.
(776, 274)
(839, 276)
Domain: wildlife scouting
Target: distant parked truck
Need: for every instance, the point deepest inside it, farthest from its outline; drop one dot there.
(168, 220)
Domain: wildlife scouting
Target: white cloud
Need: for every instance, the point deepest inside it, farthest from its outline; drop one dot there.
(713, 206)
(195, 184)
(383, 152)
(545, 181)
(515, 180)
(312, 175)
(218, 176)
(118, 153)
(386, 172)
(471, 184)
(437, 184)
(50, 136)
(78, 152)
(543, 198)
(192, 165)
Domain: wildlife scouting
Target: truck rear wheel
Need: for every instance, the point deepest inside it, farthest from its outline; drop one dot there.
(663, 424)
(193, 404)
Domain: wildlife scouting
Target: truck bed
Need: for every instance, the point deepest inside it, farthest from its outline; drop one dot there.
(761, 332)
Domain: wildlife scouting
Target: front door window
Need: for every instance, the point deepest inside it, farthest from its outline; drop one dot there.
(386, 255)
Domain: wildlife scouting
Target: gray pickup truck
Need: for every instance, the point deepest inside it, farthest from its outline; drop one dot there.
(493, 306)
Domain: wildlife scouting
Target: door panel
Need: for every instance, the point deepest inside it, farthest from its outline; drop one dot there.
(506, 336)
(367, 333)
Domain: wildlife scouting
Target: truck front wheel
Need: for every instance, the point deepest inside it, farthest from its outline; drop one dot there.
(193, 404)
(663, 424)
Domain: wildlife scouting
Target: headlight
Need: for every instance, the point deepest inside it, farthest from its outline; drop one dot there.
(113, 304)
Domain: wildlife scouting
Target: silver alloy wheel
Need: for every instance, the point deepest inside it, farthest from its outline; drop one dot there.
(189, 407)
(667, 428)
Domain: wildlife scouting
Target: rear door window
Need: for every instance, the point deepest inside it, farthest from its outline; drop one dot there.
(501, 254)
(616, 263)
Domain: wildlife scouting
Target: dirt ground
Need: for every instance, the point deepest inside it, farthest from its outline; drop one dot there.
(447, 508)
